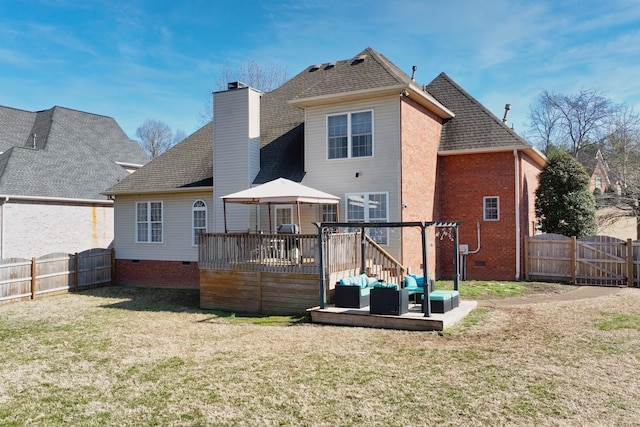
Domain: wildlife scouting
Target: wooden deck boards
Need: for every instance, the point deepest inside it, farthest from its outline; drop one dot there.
(414, 320)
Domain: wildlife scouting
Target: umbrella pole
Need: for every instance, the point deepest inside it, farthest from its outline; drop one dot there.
(270, 222)
(299, 224)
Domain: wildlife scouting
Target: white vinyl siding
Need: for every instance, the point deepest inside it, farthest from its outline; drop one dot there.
(491, 208)
(149, 222)
(236, 153)
(177, 239)
(379, 173)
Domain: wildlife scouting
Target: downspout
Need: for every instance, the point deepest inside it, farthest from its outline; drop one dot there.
(516, 163)
(3, 201)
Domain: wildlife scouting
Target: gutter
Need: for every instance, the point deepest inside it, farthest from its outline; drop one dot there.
(156, 191)
(6, 198)
(3, 200)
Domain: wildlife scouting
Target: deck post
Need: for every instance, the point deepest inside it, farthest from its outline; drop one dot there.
(363, 255)
(426, 302)
(323, 284)
(456, 264)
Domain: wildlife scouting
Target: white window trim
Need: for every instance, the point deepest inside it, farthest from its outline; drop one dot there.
(193, 225)
(366, 194)
(282, 207)
(148, 221)
(484, 208)
(349, 147)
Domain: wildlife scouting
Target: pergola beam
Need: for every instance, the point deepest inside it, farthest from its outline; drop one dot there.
(423, 225)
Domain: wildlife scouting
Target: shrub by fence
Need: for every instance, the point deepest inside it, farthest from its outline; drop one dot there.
(594, 260)
(23, 278)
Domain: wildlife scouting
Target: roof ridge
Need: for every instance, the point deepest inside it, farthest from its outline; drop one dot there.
(484, 109)
(388, 66)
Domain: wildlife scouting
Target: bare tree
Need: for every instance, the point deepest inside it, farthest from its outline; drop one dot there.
(264, 77)
(156, 137)
(622, 151)
(571, 122)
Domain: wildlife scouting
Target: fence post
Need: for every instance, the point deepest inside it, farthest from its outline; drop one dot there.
(33, 278)
(526, 257)
(630, 269)
(113, 266)
(76, 271)
(574, 260)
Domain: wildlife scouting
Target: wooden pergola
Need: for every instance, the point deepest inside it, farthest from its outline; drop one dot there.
(323, 227)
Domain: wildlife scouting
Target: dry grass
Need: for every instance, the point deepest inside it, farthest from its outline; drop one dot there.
(121, 356)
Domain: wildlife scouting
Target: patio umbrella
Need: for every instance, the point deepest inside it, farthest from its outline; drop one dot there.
(279, 191)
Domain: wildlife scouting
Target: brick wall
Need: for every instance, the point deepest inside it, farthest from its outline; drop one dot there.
(35, 228)
(420, 137)
(463, 181)
(170, 274)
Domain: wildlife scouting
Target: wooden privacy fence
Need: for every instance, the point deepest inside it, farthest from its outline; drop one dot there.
(594, 260)
(23, 278)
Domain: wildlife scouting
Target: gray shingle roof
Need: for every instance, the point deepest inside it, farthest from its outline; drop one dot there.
(187, 164)
(474, 127)
(74, 157)
(282, 124)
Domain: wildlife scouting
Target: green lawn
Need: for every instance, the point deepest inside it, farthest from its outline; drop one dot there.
(125, 356)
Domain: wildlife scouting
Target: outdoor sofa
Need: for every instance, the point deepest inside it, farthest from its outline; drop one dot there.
(354, 291)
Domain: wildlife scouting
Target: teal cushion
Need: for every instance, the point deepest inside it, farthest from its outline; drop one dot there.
(410, 282)
(439, 297)
(419, 279)
(451, 293)
(364, 280)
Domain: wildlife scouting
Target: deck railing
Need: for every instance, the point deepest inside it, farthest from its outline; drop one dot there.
(296, 253)
(382, 264)
(258, 252)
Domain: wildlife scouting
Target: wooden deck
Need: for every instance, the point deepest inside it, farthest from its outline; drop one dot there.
(414, 320)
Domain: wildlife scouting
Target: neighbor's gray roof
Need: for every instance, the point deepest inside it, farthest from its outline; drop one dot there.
(74, 157)
(474, 127)
(187, 164)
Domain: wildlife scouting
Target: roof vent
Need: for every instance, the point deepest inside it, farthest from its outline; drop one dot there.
(315, 68)
(359, 59)
(506, 113)
(235, 85)
(330, 65)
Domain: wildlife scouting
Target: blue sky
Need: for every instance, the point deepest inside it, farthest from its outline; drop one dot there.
(160, 59)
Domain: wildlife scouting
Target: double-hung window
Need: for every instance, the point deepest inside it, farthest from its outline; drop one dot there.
(370, 207)
(199, 215)
(149, 222)
(491, 208)
(350, 135)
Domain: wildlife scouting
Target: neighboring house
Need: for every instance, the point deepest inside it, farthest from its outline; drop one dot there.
(365, 131)
(597, 168)
(54, 165)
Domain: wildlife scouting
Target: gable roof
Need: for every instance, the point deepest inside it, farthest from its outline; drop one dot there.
(186, 165)
(468, 124)
(67, 145)
(474, 128)
(282, 110)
